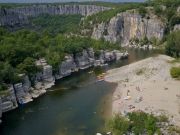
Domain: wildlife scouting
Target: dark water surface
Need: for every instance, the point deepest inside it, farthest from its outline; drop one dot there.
(71, 107)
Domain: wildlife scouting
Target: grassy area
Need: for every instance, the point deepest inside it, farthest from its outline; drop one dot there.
(175, 72)
(136, 122)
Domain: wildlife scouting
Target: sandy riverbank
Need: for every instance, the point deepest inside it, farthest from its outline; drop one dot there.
(149, 86)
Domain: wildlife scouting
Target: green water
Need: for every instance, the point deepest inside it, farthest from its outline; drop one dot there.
(72, 107)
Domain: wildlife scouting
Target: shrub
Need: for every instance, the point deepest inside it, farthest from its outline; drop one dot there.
(140, 71)
(137, 122)
(118, 125)
(173, 44)
(175, 72)
(3, 87)
(162, 118)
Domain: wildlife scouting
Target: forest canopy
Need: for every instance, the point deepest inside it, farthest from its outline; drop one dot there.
(19, 50)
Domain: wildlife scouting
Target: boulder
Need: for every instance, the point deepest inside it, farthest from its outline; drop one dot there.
(109, 56)
(118, 55)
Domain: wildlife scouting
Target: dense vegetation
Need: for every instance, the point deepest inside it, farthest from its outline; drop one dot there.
(136, 122)
(175, 72)
(173, 44)
(57, 23)
(19, 50)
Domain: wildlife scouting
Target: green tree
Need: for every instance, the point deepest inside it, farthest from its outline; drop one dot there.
(173, 44)
(28, 67)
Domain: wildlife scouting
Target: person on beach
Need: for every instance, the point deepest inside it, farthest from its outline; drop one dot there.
(128, 91)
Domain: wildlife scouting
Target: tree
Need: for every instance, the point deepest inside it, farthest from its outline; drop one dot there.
(28, 67)
(173, 44)
(54, 59)
(142, 11)
(7, 73)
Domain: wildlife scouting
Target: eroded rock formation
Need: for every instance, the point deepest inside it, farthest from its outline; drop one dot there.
(8, 100)
(126, 26)
(19, 15)
(23, 92)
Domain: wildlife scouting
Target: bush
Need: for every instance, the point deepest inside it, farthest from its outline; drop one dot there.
(174, 20)
(3, 87)
(144, 41)
(173, 44)
(137, 122)
(175, 72)
(118, 125)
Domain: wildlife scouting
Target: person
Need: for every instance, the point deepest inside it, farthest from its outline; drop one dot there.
(128, 91)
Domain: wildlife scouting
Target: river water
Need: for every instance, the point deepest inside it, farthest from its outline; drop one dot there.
(76, 105)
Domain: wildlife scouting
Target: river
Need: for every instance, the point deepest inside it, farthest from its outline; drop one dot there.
(76, 105)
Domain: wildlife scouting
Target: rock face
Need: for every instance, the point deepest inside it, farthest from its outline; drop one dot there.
(20, 15)
(8, 101)
(46, 76)
(23, 92)
(66, 67)
(22, 96)
(126, 26)
(9, 18)
(85, 59)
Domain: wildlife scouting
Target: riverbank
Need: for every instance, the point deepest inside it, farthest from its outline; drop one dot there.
(146, 85)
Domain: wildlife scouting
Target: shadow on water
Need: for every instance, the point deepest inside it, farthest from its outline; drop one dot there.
(74, 106)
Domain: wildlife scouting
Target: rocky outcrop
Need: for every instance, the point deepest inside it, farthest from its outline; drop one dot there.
(66, 67)
(9, 18)
(43, 80)
(126, 26)
(19, 15)
(46, 76)
(8, 100)
(23, 97)
(83, 60)
(23, 92)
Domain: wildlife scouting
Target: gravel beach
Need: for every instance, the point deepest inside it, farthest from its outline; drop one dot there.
(148, 86)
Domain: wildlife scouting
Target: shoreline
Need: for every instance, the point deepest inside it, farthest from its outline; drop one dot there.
(106, 104)
(146, 85)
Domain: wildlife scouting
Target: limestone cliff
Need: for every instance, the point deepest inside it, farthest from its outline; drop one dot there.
(24, 92)
(8, 100)
(126, 26)
(19, 15)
